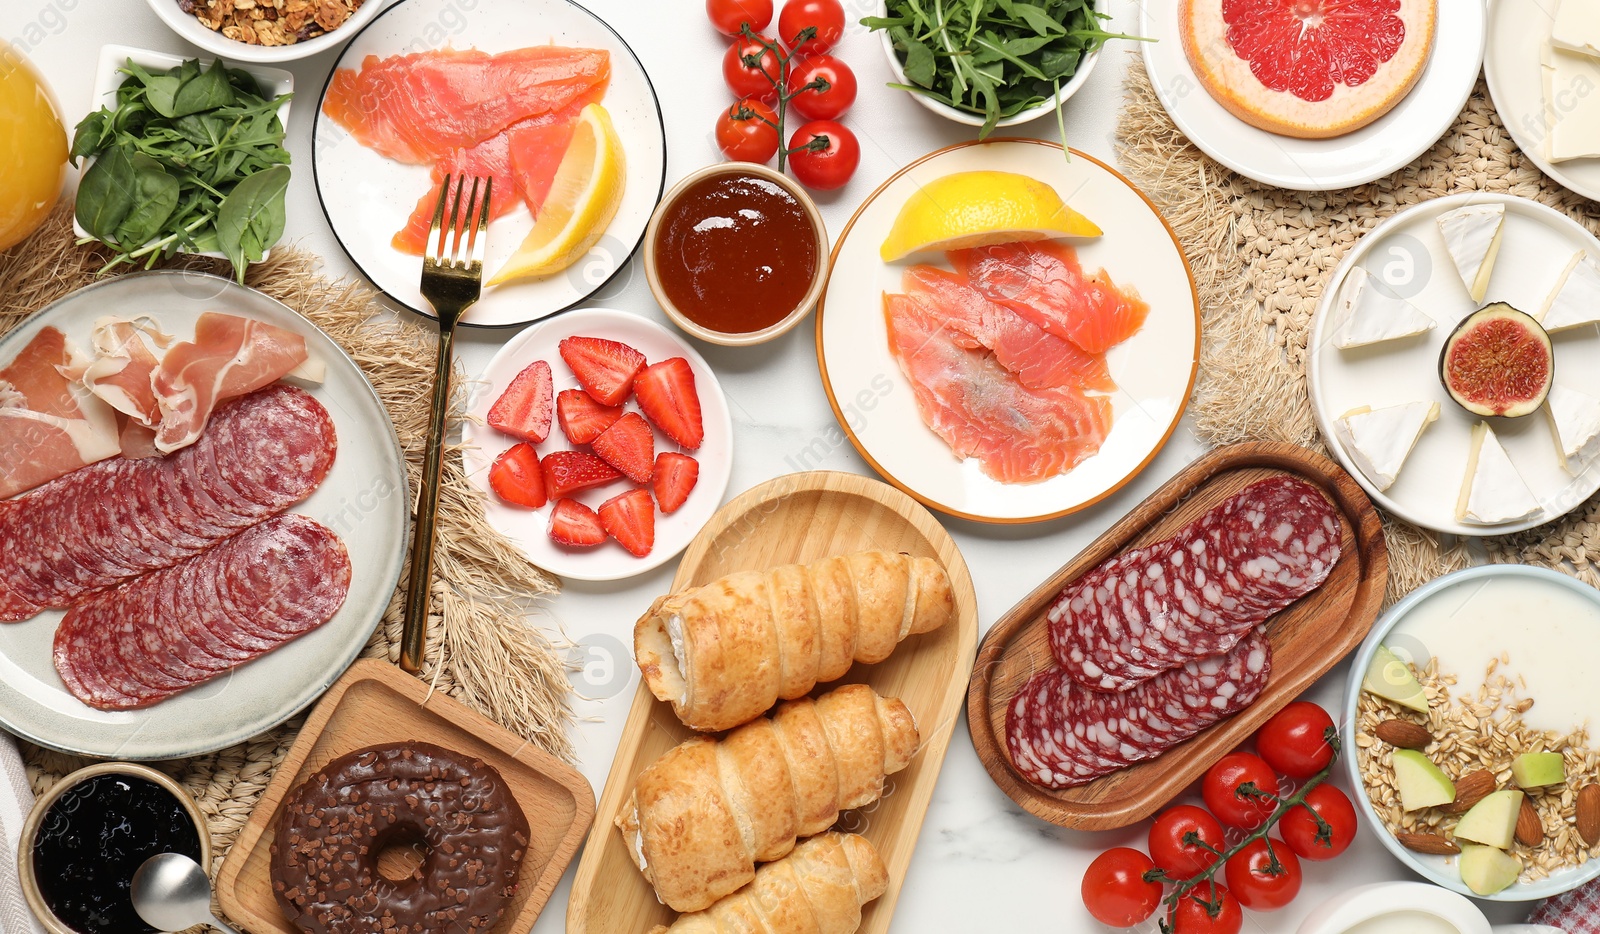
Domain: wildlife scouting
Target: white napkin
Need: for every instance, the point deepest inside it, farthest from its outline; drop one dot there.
(16, 799)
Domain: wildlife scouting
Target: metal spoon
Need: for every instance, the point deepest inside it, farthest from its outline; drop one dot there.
(172, 893)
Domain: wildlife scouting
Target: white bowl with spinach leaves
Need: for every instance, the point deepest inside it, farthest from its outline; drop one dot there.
(989, 65)
(183, 156)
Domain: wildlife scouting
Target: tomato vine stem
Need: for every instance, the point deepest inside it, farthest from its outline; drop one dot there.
(780, 84)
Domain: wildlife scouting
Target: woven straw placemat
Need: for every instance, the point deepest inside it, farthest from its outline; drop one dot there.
(481, 650)
(1261, 256)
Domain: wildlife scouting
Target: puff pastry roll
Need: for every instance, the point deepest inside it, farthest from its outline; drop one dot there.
(817, 889)
(724, 653)
(704, 814)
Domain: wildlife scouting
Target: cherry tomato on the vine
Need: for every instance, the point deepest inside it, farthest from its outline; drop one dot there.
(1299, 828)
(1295, 740)
(1221, 790)
(1193, 912)
(1114, 889)
(1252, 879)
(823, 155)
(826, 102)
(744, 133)
(745, 81)
(826, 16)
(1178, 859)
(729, 16)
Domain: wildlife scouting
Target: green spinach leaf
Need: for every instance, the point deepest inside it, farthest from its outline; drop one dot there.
(251, 218)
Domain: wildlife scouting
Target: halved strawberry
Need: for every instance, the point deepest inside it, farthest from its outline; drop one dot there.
(629, 446)
(516, 476)
(631, 520)
(523, 410)
(605, 368)
(583, 419)
(675, 475)
(666, 394)
(567, 472)
(573, 523)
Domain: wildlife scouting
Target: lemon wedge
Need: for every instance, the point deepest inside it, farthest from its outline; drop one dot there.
(971, 209)
(583, 198)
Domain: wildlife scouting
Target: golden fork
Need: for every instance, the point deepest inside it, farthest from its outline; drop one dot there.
(452, 280)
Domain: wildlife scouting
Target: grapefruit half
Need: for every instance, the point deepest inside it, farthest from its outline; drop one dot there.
(1308, 68)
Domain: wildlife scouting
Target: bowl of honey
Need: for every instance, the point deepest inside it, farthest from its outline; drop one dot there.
(736, 254)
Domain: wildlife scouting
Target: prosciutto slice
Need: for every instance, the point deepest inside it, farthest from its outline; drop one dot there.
(49, 425)
(122, 366)
(229, 356)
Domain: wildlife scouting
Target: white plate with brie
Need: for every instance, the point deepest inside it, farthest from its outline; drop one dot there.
(1546, 91)
(1374, 354)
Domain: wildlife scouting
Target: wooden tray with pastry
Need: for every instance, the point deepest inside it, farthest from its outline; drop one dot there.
(842, 602)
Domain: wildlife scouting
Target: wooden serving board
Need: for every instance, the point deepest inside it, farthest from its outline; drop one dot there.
(1307, 639)
(375, 702)
(796, 519)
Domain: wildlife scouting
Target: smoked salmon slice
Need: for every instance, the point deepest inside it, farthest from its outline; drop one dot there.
(1019, 435)
(1043, 282)
(1040, 359)
(522, 160)
(423, 107)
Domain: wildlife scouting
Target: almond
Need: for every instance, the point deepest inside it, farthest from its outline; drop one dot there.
(1588, 814)
(1404, 734)
(1472, 788)
(1530, 831)
(1427, 843)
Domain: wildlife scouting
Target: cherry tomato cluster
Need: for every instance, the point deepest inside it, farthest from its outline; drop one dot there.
(769, 77)
(1248, 795)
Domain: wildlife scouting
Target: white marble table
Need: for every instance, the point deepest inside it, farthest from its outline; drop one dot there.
(981, 864)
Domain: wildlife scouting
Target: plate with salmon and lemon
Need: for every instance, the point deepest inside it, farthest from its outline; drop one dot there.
(1033, 318)
(540, 96)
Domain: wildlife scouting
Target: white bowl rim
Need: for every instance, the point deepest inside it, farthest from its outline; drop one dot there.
(1563, 881)
(189, 27)
(1379, 899)
(1085, 66)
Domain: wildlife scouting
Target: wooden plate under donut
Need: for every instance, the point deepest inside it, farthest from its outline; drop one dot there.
(373, 703)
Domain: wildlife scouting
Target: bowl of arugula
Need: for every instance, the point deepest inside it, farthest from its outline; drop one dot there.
(182, 156)
(988, 64)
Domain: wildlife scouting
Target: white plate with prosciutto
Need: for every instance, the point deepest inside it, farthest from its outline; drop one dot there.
(202, 517)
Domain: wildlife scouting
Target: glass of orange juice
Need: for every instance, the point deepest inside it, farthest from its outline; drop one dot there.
(33, 148)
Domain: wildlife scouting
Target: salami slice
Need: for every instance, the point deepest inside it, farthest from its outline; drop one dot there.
(118, 519)
(103, 644)
(1156, 608)
(1060, 734)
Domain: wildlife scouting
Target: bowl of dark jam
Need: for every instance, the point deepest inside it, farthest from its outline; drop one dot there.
(736, 254)
(87, 836)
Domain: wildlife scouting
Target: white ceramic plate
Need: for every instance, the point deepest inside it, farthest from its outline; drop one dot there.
(1517, 33)
(1384, 146)
(1155, 368)
(1445, 593)
(1408, 253)
(275, 82)
(528, 528)
(363, 500)
(367, 197)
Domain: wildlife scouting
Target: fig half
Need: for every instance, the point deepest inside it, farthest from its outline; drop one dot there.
(1498, 361)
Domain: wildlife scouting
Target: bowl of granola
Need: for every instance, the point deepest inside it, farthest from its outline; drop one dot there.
(266, 30)
(1468, 713)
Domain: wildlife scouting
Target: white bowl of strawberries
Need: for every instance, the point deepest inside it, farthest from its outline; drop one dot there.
(602, 443)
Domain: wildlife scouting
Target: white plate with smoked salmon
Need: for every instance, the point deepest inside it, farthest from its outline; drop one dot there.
(542, 97)
(1311, 94)
(1019, 374)
(202, 516)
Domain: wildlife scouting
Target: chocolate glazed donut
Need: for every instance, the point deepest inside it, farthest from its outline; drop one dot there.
(325, 856)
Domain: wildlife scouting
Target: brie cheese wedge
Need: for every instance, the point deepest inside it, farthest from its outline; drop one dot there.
(1575, 300)
(1472, 235)
(1380, 440)
(1575, 422)
(1367, 314)
(1577, 27)
(1571, 108)
(1493, 491)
